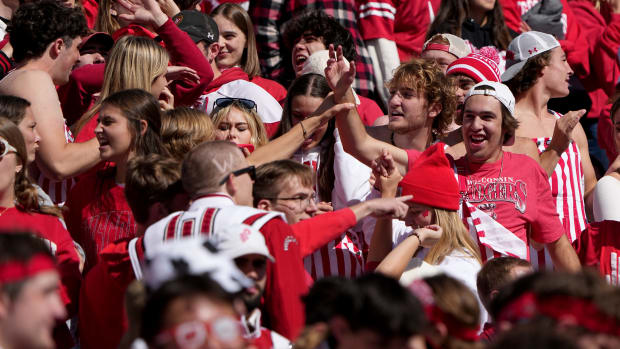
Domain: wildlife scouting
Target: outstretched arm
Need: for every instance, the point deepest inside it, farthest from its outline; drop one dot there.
(355, 139)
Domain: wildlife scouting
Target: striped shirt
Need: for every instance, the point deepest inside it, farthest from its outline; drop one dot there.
(57, 190)
(567, 188)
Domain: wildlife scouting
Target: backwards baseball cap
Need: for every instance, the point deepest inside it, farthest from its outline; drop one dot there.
(478, 66)
(104, 39)
(238, 240)
(431, 180)
(524, 47)
(495, 89)
(456, 46)
(199, 26)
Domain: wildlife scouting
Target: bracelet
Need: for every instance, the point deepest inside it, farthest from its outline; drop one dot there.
(305, 133)
(416, 234)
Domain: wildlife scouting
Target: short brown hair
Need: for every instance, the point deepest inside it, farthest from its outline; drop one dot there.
(495, 274)
(151, 178)
(270, 176)
(425, 76)
(184, 128)
(528, 75)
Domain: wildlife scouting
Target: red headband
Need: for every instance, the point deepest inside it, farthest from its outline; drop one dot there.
(13, 271)
(438, 47)
(578, 311)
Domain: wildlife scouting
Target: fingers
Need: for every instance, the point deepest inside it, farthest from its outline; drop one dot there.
(337, 109)
(404, 198)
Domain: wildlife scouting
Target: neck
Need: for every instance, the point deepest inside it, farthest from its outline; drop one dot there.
(418, 139)
(6, 11)
(216, 71)
(493, 158)
(7, 198)
(533, 102)
(480, 17)
(121, 169)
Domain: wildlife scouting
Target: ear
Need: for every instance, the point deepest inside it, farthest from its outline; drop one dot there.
(214, 50)
(143, 127)
(434, 110)
(264, 204)
(493, 294)
(231, 188)
(56, 46)
(339, 328)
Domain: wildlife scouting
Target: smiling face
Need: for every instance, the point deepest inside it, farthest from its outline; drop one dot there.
(463, 84)
(304, 47)
(234, 127)
(28, 128)
(232, 43)
(113, 134)
(557, 74)
(482, 128)
(303, 107)
(442, 58)
(67, 58)
(407, 110)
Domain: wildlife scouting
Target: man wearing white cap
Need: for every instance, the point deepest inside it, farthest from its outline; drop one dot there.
(246, 246)
(537, 71)
(510, 187)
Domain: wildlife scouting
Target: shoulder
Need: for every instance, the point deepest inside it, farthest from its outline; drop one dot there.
(524, 146)
(21, 81)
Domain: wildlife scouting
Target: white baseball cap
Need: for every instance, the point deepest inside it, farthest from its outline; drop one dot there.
(498, 90)
(456, 46)
(523, 47)
(238, 240)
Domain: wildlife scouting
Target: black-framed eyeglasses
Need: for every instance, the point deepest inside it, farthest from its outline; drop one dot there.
(302, 199)
(226, 101)
(250, 170)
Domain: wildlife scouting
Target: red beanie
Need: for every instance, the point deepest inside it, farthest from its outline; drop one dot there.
(480, 66)
(431, 180)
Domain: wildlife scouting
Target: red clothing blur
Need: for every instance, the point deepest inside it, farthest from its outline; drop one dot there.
(90, 9)
(273, 87)
(317, 231)
(402, 21)
(60, 243)
(368, 110)
(599, 247)
(98, 214)
(102, 304)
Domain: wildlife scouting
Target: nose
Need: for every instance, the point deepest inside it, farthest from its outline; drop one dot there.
(99, 58)
(37, 137)
(476, 123)
(395, 100)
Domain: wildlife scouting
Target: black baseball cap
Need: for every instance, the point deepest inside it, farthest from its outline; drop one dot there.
(199, 26)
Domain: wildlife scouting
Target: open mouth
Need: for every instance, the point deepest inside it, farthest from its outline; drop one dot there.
(300, 60)
(477, 139)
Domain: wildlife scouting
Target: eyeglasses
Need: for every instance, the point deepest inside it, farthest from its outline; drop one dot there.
(226, 101)
(193, 334)
(5, 147)
(250, 170)
(304, 200)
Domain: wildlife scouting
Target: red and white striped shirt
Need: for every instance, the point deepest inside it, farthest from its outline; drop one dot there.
(567, 188)
(57, 190)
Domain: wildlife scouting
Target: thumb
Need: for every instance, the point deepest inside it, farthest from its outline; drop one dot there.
(433, 227)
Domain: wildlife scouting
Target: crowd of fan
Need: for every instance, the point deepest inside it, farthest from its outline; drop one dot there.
(309, 174)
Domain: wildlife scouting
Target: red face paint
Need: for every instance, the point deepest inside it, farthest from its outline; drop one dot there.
(425, 213)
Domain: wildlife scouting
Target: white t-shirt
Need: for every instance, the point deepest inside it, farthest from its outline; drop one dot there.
(606, 205)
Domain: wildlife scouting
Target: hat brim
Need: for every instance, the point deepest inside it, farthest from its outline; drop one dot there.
(513, 70)
(238, 252)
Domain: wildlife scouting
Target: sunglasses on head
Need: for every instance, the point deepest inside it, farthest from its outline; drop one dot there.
(250, 170)
(5, 147)
(226, 101)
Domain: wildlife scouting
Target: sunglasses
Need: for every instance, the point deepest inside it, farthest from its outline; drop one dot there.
(250, 170)
(226, 101)
(193, 334)
(5, 147)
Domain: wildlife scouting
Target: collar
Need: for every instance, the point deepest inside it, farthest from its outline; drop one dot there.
(211, 200)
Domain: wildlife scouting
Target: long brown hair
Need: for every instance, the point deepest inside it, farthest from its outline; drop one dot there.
(26, 195)
(455, 237)
(237, 15)
(452, 14)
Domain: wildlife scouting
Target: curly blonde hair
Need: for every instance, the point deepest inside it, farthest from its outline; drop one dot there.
(425, 76)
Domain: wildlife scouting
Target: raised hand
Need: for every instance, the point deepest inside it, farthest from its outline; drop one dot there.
(386, 174)
(429, 235)
(563, 131)
(166, 99)
(145, 12)
(324, 207)
(389, 207)
(179, 72)
(339, 74)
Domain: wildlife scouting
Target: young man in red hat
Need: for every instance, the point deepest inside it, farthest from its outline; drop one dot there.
(510, 187)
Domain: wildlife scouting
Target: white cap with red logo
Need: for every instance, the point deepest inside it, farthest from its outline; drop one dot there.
(239, 240)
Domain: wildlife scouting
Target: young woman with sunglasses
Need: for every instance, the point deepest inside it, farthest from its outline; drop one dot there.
(20, 210)
(128, 125)
(236, 120)
(238, 47)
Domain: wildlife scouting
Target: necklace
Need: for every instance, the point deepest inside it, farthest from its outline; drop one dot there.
(5, 209)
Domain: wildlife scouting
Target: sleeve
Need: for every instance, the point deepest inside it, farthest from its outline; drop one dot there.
(412, 156)
(317, 231)
(605, 56)
(546, 227)
(183, 51)
(6, 64)
(267, 17)
(369, 110)
(68, 265)
(285, 280)
(376, 19)
(77, 95)
(351, 184)
(512, 14)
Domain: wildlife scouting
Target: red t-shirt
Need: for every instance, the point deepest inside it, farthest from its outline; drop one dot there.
(61, 245)
(514, 191)
(98, 215)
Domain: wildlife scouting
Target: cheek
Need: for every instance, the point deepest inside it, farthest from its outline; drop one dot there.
(245, 137)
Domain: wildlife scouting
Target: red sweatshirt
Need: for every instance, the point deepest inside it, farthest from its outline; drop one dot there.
(61, 245)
